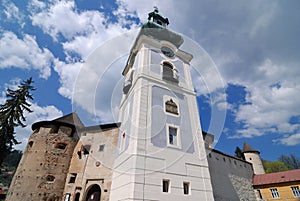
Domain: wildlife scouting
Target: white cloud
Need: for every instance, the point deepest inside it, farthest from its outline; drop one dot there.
(251, 44)
(291, 140)
(68, 73)
(84, 31)
(273, 100)
(24, 53)
(12, 12)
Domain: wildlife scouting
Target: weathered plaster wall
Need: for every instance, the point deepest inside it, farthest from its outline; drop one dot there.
(42, 171)
(93, 167)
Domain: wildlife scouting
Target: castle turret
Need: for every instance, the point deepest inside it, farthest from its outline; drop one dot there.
(253, 156)
(43, 168)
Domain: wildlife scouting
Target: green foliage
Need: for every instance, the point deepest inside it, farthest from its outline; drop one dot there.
(274, 166)
(12, 115)
(292, 161)
(13, 159)
(238, 153)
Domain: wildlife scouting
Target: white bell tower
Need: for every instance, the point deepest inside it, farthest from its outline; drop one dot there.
(161, 149)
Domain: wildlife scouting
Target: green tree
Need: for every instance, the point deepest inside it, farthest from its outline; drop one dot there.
(291, 161)
(12, 115)
(238, 153)
(13, 159)
(274, 166)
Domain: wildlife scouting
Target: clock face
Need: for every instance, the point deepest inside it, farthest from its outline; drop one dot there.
(167, 51)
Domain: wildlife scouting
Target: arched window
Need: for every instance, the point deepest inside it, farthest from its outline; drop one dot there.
(169, 72)
(171, 107)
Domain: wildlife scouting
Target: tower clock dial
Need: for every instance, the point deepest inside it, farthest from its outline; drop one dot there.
(167, 51)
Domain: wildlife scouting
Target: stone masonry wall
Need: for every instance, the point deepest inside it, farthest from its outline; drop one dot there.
(42, 171)
(231, 178)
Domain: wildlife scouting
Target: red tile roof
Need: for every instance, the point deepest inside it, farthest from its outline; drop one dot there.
(277, 177)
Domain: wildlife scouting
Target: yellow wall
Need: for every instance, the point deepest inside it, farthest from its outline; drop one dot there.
(284, 190)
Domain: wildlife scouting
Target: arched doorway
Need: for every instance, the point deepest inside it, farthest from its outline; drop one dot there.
(77, 196)
(94, 193)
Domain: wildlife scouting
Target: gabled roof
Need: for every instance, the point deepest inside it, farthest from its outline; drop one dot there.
(277, 177)
(248, 148)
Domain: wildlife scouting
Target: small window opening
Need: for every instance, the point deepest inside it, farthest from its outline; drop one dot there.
(72, 178)
(166, 185)
(30, 144)
(50, 178)
(67, 197)
(54, 129)
(101, 147)
(86, 149)
(172, 135)
(122, 146)
(60, 145)
(79, 154)
(186, 188)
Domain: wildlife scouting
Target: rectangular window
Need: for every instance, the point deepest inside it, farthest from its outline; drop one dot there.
(72, 178)
(274, 193)
(86, 149)
(186, 188)
(173, 136)
(296, 191)
(101, 147)
(67, 198)
(166, 185)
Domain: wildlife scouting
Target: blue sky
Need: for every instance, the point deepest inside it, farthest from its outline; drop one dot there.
(254, 45)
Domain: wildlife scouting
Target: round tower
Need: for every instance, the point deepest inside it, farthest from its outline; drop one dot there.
(253, 156)
(42, 171)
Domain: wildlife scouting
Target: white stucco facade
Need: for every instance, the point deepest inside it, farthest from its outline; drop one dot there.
(153, 163)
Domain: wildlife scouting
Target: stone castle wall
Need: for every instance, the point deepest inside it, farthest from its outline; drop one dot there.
(231, 177)
(42, 171)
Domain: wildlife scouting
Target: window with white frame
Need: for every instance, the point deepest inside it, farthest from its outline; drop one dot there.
(173, 135)
(274, 193)
(296, 191)
(169, 72)
(186, 188)
(166, 186)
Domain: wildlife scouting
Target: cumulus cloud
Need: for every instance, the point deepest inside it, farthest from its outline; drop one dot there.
(12, 12)
(291, 140)
(84, 31)
(254, 45)
(24, 53)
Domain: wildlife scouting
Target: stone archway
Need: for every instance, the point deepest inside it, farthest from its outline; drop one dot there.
(94, 193)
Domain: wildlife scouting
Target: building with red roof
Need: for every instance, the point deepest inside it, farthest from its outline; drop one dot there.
(283, 185)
